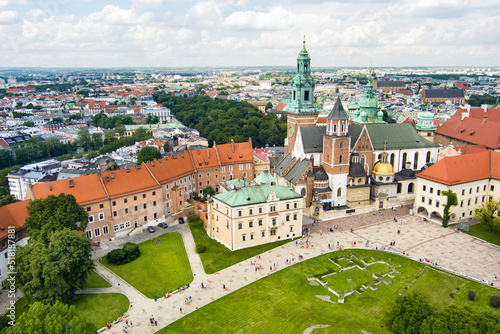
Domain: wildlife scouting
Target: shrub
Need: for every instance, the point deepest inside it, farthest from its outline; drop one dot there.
(495, 301)
(193, 218)
(128, 253)
(201, 248)
(472, 295)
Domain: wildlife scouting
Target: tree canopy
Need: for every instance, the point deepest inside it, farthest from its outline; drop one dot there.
(220, 120)
(408, 314)
(50, 319)
(477, 100)
(487, 214)
(53, 272)
(54, 213)
(148, 153)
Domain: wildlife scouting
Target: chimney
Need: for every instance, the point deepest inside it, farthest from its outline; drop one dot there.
(50, 186)
(128, 170)
(112, 175)
(208, 152)
(182, 155)
(71, 183)
(152, 163)
(232, 144)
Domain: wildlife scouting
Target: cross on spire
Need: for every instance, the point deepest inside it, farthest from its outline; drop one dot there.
(385, 145)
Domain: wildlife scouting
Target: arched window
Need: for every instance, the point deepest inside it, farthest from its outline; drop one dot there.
(341, 145)
(392, 159)
(303, 192)
(428, 158)
(342, 127)
(334, 127)
(339, 192)
(404, 161)
(410, 188)
(362, 161)
(415, 161)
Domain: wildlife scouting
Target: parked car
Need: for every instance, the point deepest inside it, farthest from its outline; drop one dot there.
(163, 225)
(151, 229)
(181, 220)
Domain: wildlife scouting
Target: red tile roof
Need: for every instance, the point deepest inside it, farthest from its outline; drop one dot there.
(86, 189)
(242, 153)
(478, 128)
(464, 168)
(263, 154)
(169, 169)
(280, 106)
(128, 181)
(13, 215)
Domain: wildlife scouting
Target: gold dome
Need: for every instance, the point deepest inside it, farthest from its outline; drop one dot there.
(383, 168)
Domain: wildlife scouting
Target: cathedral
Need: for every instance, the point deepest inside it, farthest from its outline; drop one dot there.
(349, 165)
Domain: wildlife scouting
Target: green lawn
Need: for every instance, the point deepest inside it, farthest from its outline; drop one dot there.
(348, 279)
(378, 268)
(285, 302)
(102, 308)
(94, 281)
(161, 268)
(218, 256)
(481, 231)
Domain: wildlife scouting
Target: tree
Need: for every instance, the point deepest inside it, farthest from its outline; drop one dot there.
(96, 140)
(451, 201)
(120, 130)
(109, 136)
(269, 105)
(84, 139)
(29, 124)
(166, 147)
(386, 118)
(9, 199)
(54, 271)
(152, 119)
(486, 214)
(208, 191)
(408, 314)
(51, 214)
(455, 319)
(48, 319)
(148, 153)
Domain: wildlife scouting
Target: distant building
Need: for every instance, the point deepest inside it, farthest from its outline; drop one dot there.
(441, 96)
(162, 113)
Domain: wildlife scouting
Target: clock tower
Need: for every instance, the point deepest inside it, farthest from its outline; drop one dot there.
(302, 111)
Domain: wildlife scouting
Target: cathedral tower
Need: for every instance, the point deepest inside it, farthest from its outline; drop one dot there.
(302, 111)
(336, 149)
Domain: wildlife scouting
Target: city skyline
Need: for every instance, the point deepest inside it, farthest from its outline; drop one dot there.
(159, 33)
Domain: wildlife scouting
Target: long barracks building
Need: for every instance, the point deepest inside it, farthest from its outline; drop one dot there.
(119, 201)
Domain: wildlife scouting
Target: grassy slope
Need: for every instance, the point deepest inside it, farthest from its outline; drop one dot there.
(285, 302)
(161, 268)
(482, 232)
(102, 308)
(94, 281)
(218, 257)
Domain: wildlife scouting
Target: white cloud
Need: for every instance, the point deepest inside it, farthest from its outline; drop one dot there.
(8, 16)
(148, 3)
(5, 3)
(278, 18)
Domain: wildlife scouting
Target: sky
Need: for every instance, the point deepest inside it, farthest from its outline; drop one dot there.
(220, 33)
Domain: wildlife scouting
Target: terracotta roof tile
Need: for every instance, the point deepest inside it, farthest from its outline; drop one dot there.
(169, 169)
(242, 153)
(205, 158)
(463, 168)
(13, 215)
(479, 128)
(128, 181)
(86, 189)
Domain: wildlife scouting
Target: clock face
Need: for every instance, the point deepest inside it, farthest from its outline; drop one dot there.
(290, 131)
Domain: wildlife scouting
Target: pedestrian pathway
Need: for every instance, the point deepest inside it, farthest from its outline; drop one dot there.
(455, 251)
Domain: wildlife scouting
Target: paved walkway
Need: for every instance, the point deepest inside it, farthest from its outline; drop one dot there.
(455, 251)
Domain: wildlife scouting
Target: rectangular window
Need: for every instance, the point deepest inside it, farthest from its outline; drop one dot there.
(424, 188)
(135, 198)
(89, 234)
(423, 199)
(101, 216)
(240, 226)
(439, 192)
(291, 228)
(430, 201)
(208, 174)
(461, 204)
(125, 200)
(470, 190)
(273, 221)
(101, 206)
(463, 192)
(260, 222)
(230, 168)
(122, 226)
(248, 166)
(239, 213)
(295, 205)
(145, 218)
(115, 213)
(136, 208)
(144, 205)
(263, 233)
(468, 201)
(431, 190)
(114, 203)
(251, 236)
(437, 204)
(127, 224)
(243, 237)
(260, 210)
(294, 216)
(223, 169)
(476, 200)
(306, 95)
(477, 190)
(287, 206)
(154, 215)
(105, 229)
(250, 211)
(154, 193)
(287, 218)
(492, 188)
(97, 232)
(273, 232)
(241, 167)
(272, 208)
(91, 219)
(154, 203)
(143, 195)
(115, 228)
(88, 208)
(250, 224)
(126, 210)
